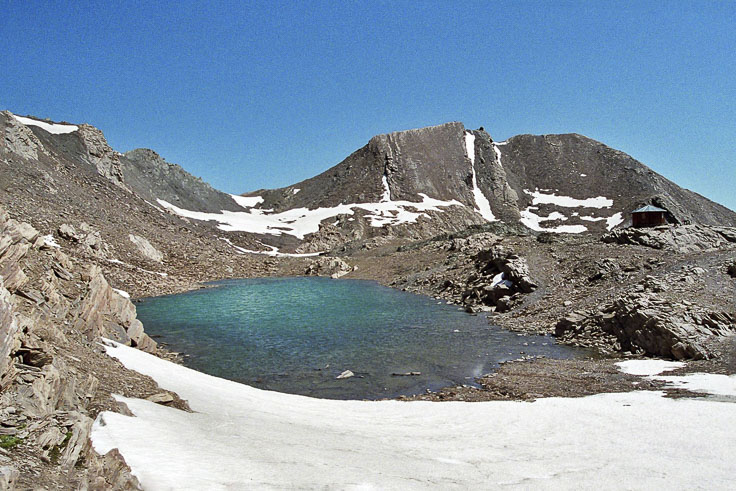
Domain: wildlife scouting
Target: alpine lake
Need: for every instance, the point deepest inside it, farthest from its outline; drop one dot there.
(297, 335)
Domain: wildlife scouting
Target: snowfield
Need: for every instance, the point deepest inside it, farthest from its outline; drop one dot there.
(300, 222)
(241, 437)
(54, 128)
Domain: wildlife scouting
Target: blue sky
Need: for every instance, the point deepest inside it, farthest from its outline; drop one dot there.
(250, 95)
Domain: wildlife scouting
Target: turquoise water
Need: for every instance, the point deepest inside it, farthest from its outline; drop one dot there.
(296, 335)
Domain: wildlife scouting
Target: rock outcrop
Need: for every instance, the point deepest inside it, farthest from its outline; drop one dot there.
(645, 323)
(52, 309)
(101, 156)
(682, 239)
(333, 267)
(502, 279)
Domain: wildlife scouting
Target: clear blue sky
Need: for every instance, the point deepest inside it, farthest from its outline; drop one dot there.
(263, 94)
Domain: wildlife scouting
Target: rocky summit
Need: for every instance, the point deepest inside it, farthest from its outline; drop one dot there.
(533, 232)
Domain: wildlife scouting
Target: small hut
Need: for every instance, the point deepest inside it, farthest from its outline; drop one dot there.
(648, 216)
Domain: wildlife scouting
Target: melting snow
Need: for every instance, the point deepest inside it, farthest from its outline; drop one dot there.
(709, 383)
(481, 202)
(300, 222)
(246, 201)
(386, 196)
(50, 241)
(616, 219)
(239, 437)
(54, 128)
(295, 190)
(567, 201)
(274, 251)
(532, 220)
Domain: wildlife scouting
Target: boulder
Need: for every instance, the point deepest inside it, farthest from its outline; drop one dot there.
(334, 267)
(145, 248)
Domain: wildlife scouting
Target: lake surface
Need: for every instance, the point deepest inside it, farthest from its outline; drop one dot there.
(297, 335)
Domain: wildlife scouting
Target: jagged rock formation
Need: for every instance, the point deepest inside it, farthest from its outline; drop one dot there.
(644, 320)
(53, 313)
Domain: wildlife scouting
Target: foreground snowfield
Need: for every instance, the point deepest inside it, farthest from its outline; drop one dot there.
(240, 437)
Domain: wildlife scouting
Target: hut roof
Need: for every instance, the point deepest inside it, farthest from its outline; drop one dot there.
(648, 208)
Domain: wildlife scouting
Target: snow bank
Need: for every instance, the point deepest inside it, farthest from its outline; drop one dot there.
(709, 383)
(540, 198)
(240, 437)
(54, 128)
(300, 222)
(614, 220)
(247, 201)
(482, 205)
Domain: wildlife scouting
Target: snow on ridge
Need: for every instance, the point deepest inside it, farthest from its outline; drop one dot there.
(295, 190)
(300, 222)
(482, 205)
(53, 128)
(242, 436)
(567, 201)
(247, 201)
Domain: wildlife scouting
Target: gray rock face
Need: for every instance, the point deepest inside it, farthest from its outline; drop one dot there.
(685, 238)
(100, 155)
(19, 138)
(152, 178)
(429, 161)
(8, 334)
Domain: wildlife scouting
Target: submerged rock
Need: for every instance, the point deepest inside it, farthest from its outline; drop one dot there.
(345, 374)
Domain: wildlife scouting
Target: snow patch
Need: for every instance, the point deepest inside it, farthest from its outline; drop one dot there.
(53, 128)
(273, 251)
(708, 383)
(386, 196)
(648, 367)
(295, 190)
(246, 201)
(300, 222)
(583, 175)
(122, 293)
(533, 221)
(540, 198)
(50, 241)
(614, 220)
(239, 436)
(482, 205)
